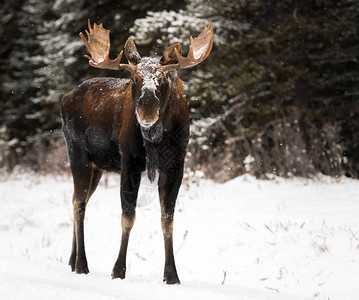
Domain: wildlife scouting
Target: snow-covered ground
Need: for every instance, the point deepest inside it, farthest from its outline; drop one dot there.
(245, 239)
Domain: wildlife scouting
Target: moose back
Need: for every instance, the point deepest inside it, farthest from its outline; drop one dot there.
(128, 126)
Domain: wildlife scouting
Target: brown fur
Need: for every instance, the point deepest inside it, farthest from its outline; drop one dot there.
(103, 133)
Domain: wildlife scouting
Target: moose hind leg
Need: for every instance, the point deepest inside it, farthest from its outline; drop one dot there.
(86, 178)
(72, 260)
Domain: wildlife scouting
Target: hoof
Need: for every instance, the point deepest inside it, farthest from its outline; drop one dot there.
(81, 268)
(72, 263)
(171, 278)
(118, 272)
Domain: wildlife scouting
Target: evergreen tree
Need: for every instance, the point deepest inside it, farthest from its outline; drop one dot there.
(43, 59)
(279, 92)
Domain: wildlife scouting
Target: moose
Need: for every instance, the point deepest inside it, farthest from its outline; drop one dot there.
(129, 126)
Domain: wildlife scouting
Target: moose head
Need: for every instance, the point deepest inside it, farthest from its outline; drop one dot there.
(151, 77)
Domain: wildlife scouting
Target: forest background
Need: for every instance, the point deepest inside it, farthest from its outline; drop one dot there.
(277, 95)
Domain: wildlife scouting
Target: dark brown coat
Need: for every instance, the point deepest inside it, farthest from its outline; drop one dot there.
(129, 126)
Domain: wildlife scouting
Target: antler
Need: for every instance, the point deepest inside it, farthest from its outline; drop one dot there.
(199, 50)
(98, 45)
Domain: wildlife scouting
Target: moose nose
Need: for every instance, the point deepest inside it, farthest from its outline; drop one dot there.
(147, 121)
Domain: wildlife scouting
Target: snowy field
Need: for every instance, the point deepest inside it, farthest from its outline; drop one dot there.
(245, 239)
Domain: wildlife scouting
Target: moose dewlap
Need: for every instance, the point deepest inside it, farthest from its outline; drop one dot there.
(129, 126)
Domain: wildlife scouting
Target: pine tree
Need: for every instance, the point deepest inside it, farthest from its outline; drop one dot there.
(42, 57)
(276, 87)
(278, 94)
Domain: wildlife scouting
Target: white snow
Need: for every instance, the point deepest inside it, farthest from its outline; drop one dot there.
(245, 239)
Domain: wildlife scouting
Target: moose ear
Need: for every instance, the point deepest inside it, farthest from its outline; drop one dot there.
(169, 56)
(131, 52)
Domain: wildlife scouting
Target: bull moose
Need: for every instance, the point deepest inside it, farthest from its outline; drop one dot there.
(128, 126)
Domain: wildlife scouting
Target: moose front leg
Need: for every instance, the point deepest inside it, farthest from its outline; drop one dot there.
(168, 186)
(130, 182)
